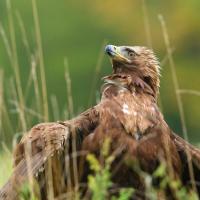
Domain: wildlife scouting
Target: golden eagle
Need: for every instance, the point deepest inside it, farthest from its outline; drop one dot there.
(129, 116)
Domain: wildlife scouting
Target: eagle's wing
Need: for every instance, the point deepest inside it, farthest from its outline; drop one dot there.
(20, 174)
(183, 145)
(190, 158)
(45, 140)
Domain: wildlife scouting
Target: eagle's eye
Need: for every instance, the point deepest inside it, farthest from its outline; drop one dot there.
(131, 53)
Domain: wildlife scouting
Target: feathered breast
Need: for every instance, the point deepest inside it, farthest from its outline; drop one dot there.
(132, 109)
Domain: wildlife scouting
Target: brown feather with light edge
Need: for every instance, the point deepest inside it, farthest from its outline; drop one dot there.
(127, 114)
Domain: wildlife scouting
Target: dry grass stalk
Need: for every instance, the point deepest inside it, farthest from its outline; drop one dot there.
(186, 91)
(28, 150)
(15, 102)
(97, 72)
(7, 121)
(48, 174)
(174, 76)
(6, 42)
(41, 61)
(15, 65)
(1, 99)
(49, 179)
(67, 168)
(55, 108)
(75, 162)
(6, 149)
(74, 138)
(166, 58)
(69, 89)
(147, 24)
(27, 110)
(178, 96)
(24, 35)
(36, 85)
(30, 57)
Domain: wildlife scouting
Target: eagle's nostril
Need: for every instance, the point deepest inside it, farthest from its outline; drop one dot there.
(109, 53)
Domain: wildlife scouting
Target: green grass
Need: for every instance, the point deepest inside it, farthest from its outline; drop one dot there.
(5, 167)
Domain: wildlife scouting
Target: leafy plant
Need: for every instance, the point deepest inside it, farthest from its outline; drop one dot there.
(100, 182)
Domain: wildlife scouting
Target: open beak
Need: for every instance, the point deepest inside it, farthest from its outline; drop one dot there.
(115, 54)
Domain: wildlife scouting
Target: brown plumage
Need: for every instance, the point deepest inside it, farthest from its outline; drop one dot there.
(127, 114)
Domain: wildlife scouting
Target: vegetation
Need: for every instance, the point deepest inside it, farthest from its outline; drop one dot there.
(35, 84)
(100, 184)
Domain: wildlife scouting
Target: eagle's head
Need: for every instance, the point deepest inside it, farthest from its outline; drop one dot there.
(137, 61)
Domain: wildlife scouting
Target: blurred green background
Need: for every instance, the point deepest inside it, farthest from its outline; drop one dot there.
(77, 29)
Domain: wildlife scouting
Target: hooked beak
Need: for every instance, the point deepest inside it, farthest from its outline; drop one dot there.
(115, 54)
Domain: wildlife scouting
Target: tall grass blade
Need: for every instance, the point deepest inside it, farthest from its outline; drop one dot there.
(24, 34)
(178, 96)
(1, 103)
(41, 60)
(36, 85)
(6, 42)
(55, 108)
(147, 24)
(97, 72)
(15, 64)
(69, 89)
(186, 91)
